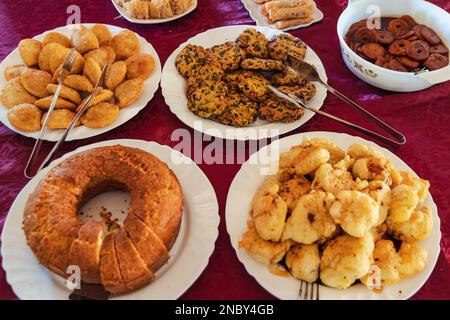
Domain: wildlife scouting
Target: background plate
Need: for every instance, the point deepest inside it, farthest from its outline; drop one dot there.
(150, 87)
(188, 257)
(246, 183)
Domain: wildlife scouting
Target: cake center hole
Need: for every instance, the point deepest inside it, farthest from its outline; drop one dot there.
(111, 207)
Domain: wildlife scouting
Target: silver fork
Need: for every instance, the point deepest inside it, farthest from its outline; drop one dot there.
(308, 291)
(309, 72)
(65, 69)
(80, 112)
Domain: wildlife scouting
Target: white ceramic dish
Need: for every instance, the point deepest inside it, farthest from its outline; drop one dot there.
(82, 132)
(173, 90)
(253, 9)
(244, 187)
(153, 21)
(188, 257)
(423, 12)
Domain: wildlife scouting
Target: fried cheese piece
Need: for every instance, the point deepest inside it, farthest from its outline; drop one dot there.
(25, 117)
(303, 262)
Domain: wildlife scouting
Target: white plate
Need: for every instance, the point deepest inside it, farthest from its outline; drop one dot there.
(82, 132)
(253, 9)
(244, 187)
(153, 21)
(188, 257)
(173, 90)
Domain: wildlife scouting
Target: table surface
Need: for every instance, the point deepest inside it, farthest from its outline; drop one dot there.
(422, 116)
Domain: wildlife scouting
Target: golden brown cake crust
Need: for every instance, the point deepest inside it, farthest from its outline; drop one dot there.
(58, 238)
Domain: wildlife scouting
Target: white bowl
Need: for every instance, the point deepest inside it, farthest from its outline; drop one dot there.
(424, 13)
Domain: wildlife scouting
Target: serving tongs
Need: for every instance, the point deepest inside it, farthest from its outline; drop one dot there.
(309, 73)
(62, 139)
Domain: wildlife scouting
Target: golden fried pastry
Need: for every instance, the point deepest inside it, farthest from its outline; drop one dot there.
(332, 180)
(189, 59)
(57, 59)
(102, 34)
(417, 227)
(228, 55)
(77, 66)
(140, 66)
(14, 71)
(413, 257)
(84, 40)
(261, 250)
(115, 74)
(102, 95)
(304, 91)
(269, 211)
(59, 119)
(36, 81)
(253, 85)
(359, 150)
(45, 103)
(80, 83)
(292, 187)
(65, 93)
(336, 153)
(287, 77)
(209, 100)
(102, 55)
(284, 44)
(303, 262)
(29, 50)
(421, 186)
(404, 200)
(381, 193)
(262, 64)
(355, 211)
(240, 111)
(346, 259)
(387, 261)
(254, 43)
(304, 159)
(58, 38)
(310, 221)
(279, 110)
(14, 93)
(25, 117)
(100, 115)
(128, 92)
(92, 70)
(125, 44)
(46, 53)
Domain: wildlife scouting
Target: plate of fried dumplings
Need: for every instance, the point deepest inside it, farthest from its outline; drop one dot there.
(218, 82)
(29, 79)
(336, 210)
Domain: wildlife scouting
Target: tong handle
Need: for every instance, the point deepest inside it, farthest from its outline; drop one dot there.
(38, 143)
(399, 138)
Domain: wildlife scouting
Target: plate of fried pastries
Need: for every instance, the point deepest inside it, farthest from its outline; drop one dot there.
(337, 210)
(29, 78)
(154, 11)
(218, 82)
(187, 258)
(283, 15)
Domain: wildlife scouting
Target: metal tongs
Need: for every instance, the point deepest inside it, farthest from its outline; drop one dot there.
(70, 58)
(310, 73)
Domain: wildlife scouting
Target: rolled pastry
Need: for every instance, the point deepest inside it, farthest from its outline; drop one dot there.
(179, 6)
(283, 24)
(286, 4)
(164, 8)
(153, 11)
(137, 9)
(291, 13)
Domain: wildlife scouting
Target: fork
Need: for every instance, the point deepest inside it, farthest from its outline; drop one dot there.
(80, 112)
(309, 72)
(65, 69)
(308, 291)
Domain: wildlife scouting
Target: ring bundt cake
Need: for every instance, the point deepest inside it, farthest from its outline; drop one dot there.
(122, 259)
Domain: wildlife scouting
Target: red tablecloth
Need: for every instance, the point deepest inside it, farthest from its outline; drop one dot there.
(423, 117)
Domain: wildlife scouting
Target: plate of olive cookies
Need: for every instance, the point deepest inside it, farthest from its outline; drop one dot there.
(29, 79)
(218, 82)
